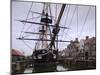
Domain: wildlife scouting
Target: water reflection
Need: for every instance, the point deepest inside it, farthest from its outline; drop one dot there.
(61, 68)
(46, 68)
(28, 70)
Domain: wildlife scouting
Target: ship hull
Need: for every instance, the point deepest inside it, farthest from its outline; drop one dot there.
(44, 62)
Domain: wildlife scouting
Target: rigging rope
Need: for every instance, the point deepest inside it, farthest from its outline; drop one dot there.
(71, 19)
(51, 19)
(29, 35)
(72, 16)
(34, 17)
(55, 22)
(50, 11)
(46, 7)
(30, 25)
(27, 44)
(85, 20)
(28, 28)
(77, 21)
(26, 20)
(65, 19)
(68, 6)
(21, 35)
(56, 13)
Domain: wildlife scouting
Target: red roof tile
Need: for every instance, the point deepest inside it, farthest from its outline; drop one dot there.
(16, 52)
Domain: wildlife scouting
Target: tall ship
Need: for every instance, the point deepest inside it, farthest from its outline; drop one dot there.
(46, 46)
(56, 34)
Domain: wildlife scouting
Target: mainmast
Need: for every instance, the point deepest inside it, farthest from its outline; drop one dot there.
(44, 28)
(57, 28)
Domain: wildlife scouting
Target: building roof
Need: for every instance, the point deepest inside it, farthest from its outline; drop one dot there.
(16, 52)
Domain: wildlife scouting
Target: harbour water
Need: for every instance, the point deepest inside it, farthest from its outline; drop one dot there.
(61, 68)
(55, 68)
(47, 68)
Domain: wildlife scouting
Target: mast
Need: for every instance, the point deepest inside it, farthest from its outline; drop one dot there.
(56, 29)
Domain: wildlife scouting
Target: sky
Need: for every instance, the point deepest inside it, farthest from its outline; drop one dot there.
(80, 19)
